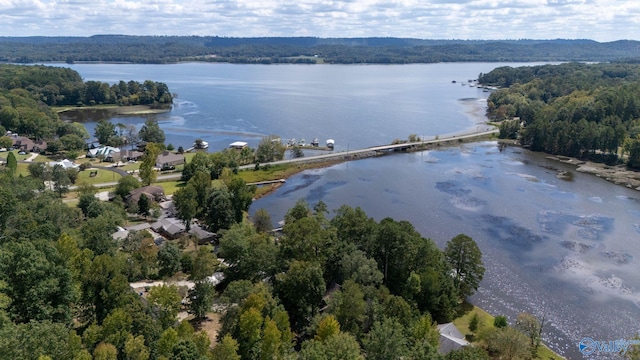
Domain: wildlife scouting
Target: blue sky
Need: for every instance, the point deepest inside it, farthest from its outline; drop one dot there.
(601, 20)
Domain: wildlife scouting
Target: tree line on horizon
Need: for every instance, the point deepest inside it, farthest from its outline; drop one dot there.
(589, 111)
(267, 50)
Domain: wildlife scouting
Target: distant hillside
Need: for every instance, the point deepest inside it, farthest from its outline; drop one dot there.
(170, 49)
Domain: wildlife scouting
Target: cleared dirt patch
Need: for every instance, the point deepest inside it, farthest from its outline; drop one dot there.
(210, 325)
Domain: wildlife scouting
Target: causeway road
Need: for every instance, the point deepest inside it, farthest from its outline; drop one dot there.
(344, 155)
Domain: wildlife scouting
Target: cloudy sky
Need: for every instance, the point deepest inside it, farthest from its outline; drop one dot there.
(601, 20)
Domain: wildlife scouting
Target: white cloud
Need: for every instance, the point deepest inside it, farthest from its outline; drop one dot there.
(602, 20)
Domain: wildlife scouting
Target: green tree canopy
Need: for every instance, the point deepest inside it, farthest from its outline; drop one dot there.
(150, 132)
(465, 259)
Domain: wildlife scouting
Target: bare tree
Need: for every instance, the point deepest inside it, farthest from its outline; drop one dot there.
(132, 135)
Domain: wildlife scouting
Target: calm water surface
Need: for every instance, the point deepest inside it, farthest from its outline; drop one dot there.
(567, 249)
(357, 105)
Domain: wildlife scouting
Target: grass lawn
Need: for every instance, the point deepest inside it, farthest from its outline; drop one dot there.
(170, 187)
(486, 321)
(282, 171)
(22, 170)
(103, 176)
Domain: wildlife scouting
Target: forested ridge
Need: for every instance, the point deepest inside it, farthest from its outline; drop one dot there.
(266, 50)
(28, 92)
(573, 109)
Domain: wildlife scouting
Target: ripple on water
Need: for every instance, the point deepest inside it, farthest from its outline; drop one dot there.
(596, 199)
(318, 193)
(305, 180)
(590, 227)
(516, 238)
(460, 197)
(452, 187)
(620, 258)
(467, 203)
(576, 246)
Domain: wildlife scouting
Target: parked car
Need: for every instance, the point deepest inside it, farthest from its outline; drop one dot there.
(22, 152)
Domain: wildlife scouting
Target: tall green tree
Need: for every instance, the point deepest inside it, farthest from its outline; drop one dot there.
(148, 173)
(204, 264)
(201, 298)
(341, 346)
(144, 205)
(201, 183)
(301, 289)
(150, 132)
(105, 132)
(220, 212)
(166, 300)
(5, 141)
(226, 349)
(125, 185)
(351, 309)
(186, 203)
(169, 259)
(135, 348)
(12, 163)
(241, 196)
(262, 220)
(465, 259)
(270, 149)
(386, 341)
(61, 181)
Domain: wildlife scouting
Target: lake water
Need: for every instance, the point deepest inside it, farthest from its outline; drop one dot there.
(569, 249)
(356, 105)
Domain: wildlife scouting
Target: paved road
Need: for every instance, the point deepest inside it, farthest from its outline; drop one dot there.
(341, 154)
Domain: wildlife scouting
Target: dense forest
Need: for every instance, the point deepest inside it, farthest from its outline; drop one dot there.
(172, 49)
(573, 109)
(28, 92)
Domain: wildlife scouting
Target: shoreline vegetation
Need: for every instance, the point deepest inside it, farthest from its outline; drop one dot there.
(128, 110)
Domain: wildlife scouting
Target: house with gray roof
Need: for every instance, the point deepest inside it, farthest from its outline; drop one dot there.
(154, 193)
(450, 338)
(167, 159)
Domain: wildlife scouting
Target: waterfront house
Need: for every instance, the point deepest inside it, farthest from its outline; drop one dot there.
(168, 159)
(238, 145)
(22, 143)
(124, 155)
(450, 338)
(102, 152)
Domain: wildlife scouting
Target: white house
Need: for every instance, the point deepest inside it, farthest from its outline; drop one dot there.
(239, 145)
(103, 151)
(66, 164)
